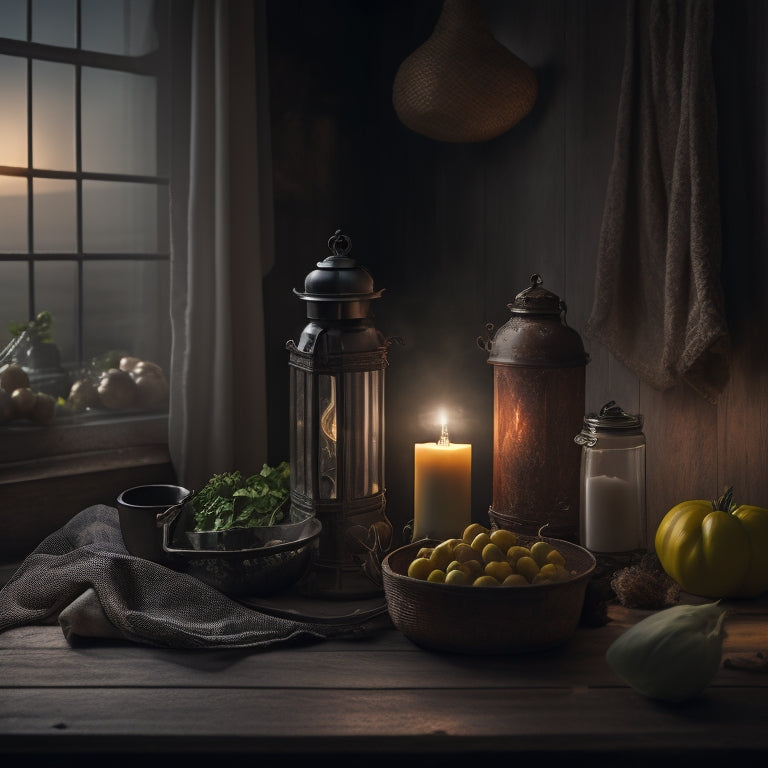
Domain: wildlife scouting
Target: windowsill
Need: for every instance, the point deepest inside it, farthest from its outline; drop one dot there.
(48, 474)
(25, 446)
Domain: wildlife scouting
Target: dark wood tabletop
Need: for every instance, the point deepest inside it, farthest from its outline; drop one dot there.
(380, 700)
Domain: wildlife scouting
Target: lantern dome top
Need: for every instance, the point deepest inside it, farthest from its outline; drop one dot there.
(338, 278)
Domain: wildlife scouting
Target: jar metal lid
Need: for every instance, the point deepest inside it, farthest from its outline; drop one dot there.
(612, 418)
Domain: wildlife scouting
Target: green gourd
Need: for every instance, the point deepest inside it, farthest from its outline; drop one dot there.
(671, 655)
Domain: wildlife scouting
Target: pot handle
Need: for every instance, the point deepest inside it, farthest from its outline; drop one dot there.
(166, 519)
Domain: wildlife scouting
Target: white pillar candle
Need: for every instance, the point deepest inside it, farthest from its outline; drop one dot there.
(442, 500)
(611, 514)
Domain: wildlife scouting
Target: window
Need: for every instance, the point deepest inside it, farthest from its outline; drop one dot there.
(84, 223)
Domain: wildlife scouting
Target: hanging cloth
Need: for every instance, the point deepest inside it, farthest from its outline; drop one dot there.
(658, 304)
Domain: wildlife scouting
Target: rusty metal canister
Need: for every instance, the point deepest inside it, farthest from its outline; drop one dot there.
(539, 367)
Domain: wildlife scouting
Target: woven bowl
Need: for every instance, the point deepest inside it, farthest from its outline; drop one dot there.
(475, 620)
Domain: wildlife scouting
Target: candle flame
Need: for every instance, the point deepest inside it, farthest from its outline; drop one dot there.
(444, 439)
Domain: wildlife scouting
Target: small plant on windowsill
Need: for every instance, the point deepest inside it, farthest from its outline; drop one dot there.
(38, 330)
(31, 375)
(33, 348)
(32, 343)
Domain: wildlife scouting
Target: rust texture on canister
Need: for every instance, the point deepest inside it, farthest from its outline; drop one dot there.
(539, 391)
(535, 466)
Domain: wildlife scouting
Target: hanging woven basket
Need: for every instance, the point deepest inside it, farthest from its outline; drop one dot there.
(462, 85)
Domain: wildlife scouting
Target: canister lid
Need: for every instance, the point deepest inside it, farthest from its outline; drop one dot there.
(536, 335)
(612, 417)
(536, 300)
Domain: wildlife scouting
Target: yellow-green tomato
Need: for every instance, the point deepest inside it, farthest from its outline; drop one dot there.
(755, 520)
(714, 548)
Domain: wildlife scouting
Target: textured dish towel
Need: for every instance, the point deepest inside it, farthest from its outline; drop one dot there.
(658, 303)
(82, 576)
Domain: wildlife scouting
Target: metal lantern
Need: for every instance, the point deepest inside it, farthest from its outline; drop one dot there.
(337, 426)
(539, 383)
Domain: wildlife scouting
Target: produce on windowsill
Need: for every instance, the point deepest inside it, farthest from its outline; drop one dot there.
(136, 383)
(23, 400)
(13, 377)
(83, 394)
(19, 401)
(151, 385)
(672, 655)
(715, 549)
(228, 500)
(117, 390)
(126, 382)
(44, 409)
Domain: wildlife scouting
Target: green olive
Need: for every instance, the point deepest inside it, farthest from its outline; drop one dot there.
(528, 567)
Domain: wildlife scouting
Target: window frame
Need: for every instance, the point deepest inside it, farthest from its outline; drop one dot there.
(27, 449)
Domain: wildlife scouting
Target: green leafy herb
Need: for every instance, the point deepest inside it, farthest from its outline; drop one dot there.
(38, 330)
(230, 501)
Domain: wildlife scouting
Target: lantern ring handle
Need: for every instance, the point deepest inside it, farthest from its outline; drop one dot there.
(486, 344)
(339, 244)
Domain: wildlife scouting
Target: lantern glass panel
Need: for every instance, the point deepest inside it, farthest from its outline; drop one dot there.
(364, 451)
(301, 432)
(328, 447)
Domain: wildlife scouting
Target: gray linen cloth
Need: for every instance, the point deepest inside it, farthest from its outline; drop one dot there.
(658, 304)
(83, 577)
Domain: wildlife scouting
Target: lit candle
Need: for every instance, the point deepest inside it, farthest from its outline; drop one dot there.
(612, 522)
(442, 502)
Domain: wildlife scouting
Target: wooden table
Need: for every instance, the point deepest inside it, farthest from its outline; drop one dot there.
(376, 701)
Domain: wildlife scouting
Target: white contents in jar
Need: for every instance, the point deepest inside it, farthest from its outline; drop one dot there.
(611, 514)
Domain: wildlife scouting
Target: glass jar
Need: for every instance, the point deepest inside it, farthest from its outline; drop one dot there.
(612, 511)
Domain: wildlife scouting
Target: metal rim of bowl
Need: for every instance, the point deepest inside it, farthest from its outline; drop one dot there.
(171, 517)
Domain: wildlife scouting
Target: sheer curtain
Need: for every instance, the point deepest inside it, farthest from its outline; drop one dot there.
(221, 238)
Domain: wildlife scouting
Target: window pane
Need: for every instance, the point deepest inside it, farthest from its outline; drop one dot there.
(53, 22)
(13, 14)
(13, 214)
(14, 296)
(13, 125)
(53, 116)
(126, 307)
(123, 27)
(120, 217)
(119, 117)
(54, 214)
(56, 292)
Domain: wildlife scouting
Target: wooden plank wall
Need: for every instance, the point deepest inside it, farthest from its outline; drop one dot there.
(453, 231)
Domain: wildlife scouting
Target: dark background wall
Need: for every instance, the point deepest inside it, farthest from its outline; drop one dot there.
(453, 231)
